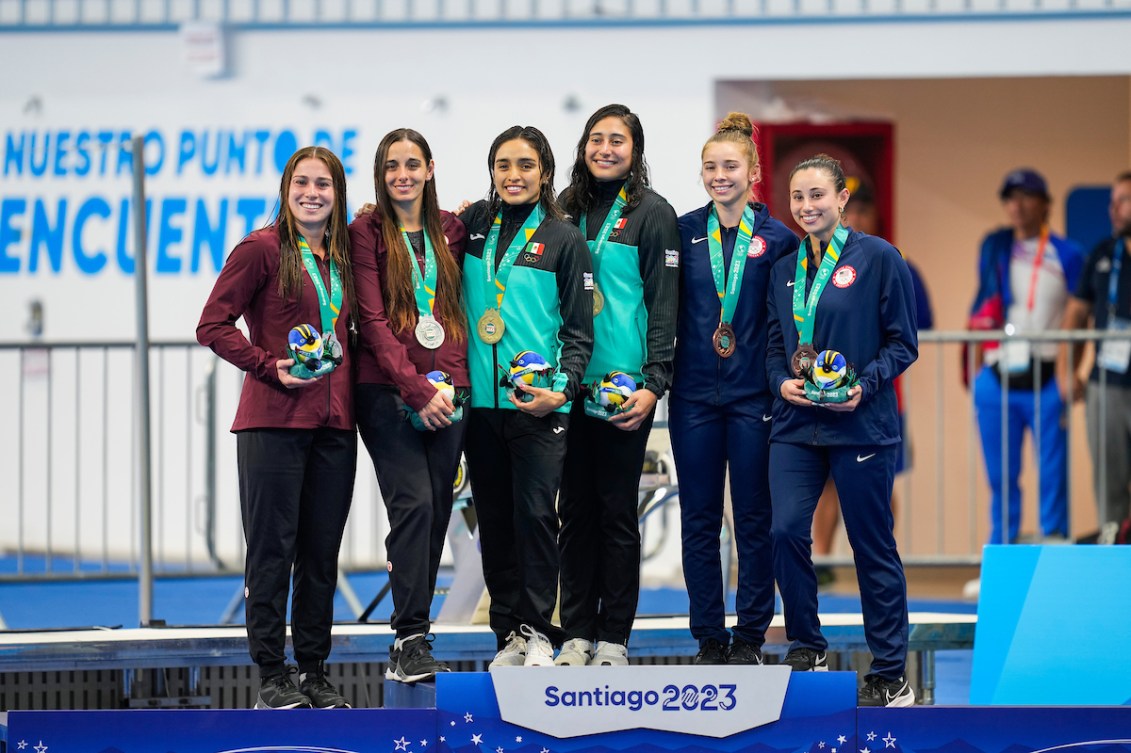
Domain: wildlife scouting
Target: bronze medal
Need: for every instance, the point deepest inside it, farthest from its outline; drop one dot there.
(724, 340)
(803, 359)
(598, 300)
(491, 327)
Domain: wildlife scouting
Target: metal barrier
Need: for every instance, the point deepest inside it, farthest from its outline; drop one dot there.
(71, 507)
(167, 15)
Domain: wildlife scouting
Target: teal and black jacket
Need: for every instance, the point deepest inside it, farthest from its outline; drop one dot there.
(638, 274)
(547, 308)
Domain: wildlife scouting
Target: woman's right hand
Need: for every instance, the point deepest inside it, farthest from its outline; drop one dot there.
(463, 205)
(437, 413)
(793, 391)
(283, 369)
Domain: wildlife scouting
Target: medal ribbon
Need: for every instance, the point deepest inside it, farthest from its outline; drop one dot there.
(1113, 279)
(1037, 266)
(606, 230)
(496, 281)
(805, 311)
(330, 305)
(731, 287)
(423, 284)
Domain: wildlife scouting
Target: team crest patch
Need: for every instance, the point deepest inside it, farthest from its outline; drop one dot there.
(844, 276)
(587, 280)
(671, 257)
(757, 247)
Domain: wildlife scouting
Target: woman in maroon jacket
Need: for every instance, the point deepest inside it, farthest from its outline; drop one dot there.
(407, 256)
(295, 441)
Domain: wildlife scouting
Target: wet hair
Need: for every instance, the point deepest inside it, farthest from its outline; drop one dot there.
(291, 269)
(1123, 176)
(537, 140)
(579, 196)
(397, 286)
(736, 128)
(824, 162)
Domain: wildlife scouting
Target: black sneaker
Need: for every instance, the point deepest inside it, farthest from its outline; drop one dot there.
(806, 660)
(880, 692)
(322, 694)
(711, 652)
(413, 661)
(278, 691)
(741, 652)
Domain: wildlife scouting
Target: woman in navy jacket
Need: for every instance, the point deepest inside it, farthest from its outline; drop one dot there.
(846, 291)
(719, 408)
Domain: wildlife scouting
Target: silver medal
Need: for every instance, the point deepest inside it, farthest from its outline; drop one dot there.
(429, 332)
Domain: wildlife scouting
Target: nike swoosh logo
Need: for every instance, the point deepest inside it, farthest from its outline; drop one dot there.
(789, 284)
(862, 458)
(699, 240)
(476, 237)
(766, 418)
(559, 429)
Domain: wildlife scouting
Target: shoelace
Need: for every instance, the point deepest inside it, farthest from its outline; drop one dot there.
(418, 647)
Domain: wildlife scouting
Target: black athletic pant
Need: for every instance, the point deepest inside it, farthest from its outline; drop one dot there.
(295, 491)
(416, 471)
(515, 464)
(600, 537)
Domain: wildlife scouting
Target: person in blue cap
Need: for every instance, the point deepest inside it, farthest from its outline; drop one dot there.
(1025, 275)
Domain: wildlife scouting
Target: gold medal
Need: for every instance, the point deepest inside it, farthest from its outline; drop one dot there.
(724, 340)
(491, 327)
(598, 300)
(803, 359)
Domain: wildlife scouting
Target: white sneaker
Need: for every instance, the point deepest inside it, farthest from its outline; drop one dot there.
(513, 654)
(576, 652)
(539, 650)
(610, 655)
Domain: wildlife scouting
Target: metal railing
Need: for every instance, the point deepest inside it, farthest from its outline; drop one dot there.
(46, 15)
(70, 510)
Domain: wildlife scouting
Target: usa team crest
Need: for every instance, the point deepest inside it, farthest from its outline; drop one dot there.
(844, 276)
(757, 247)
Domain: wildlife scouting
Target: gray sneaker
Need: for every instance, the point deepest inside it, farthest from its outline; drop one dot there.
(610, 655)
(511, 655)
(576, 652)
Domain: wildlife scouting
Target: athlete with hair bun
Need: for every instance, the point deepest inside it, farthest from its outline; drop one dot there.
(719, 408)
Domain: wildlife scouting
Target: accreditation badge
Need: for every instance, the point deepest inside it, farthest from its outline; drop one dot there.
(1115, 355)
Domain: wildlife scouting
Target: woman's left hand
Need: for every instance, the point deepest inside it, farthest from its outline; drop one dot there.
(848, 405)
(636, 409)
(544, 403)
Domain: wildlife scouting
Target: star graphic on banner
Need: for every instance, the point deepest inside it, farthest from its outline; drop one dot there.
(401, 744)
(467, 718)
(518, 738)
(499, 749)
(423, 743)
(21, 744)
(865, 750)
(443, 739)
(453, 722)
(889, 741)
(841, 739)
(476, 739)
(545, 750)
(833, 750)
(41, 748)
(871, 736)
(821, 744)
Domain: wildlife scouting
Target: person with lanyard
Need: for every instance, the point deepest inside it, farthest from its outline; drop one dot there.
(1025, 274)
(528, 288)
(719, 407)
(841, 328)
(406, 258)
(1102, 299)
(634, 242)
(295, 442)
